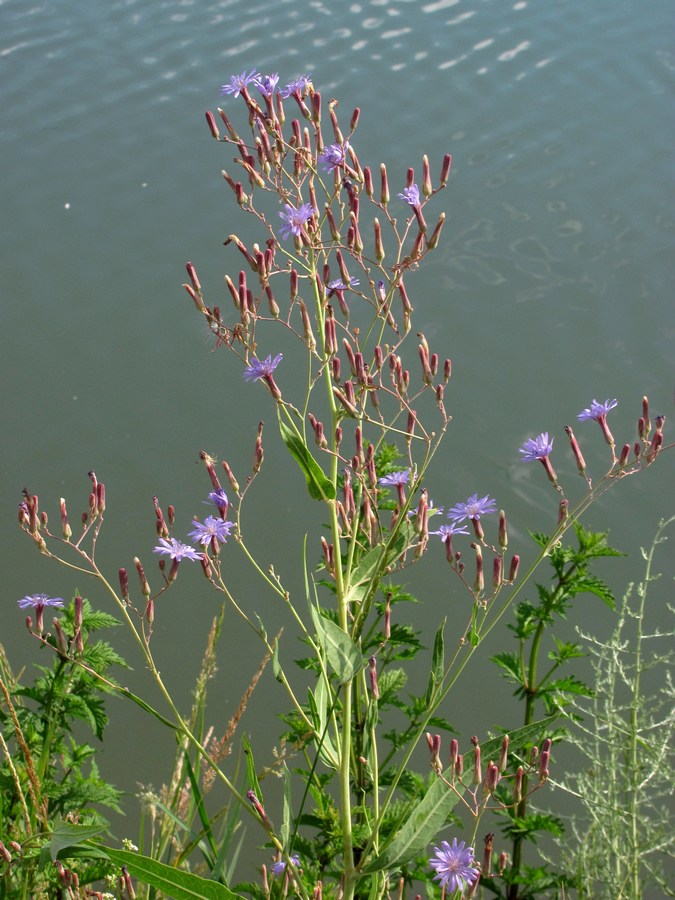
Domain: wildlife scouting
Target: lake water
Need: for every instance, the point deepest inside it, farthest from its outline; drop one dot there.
(553, 284)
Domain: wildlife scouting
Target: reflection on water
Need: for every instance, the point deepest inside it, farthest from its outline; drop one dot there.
(552, 285)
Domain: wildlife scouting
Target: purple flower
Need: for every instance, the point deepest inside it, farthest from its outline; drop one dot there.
(473, 508)
(267, 83)
(296, 87)
(447, 531)
(210, 528)
(278, 868)
(337, 284)
(39, 601)
(455, 865)
(537, 448)
(411, 195)
(219, 498)
(295, 219)
(177, 550)
(597, 410)
(333, 156)
(257, 369)
(395, 478)
(239, 82)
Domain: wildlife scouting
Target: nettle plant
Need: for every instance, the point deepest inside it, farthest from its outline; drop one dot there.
(328, 279)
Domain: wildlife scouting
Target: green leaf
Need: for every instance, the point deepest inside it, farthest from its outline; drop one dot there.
(341, 652)
(253, 782)
(318, 486)
(172, 882)
(437, 663)
(66, 835)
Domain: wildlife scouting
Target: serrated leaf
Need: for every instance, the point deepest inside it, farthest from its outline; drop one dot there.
(172, 882)
(318, 485)
(341, 652)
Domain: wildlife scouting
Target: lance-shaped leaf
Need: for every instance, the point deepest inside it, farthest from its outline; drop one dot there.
(341, 652)
(437, 664)
(318, 485)
(174, 883)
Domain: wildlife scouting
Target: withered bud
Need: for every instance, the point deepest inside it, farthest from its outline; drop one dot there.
(258, 453)
(192, 275)
(61, 640)
(434, 745)
(66, 530)
(316, 107)
(145, 587)
(655, 446)
(486, 865)
(150, 611)
(206, 566)
(372, 666)
(459, 766)
(124, 584)
(563, 511)
(160, 524)
(410, 424)
(258, 807)
(335, 369)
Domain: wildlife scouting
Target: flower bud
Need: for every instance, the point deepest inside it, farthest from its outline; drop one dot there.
(504, 754)
(372, 664)
(497, 565)
(623, 456)
(491, 778)
(145, 587)
(434, 745)
(513, 570)
(578, 456)
(124, 585)
(211, 122)
(647, 425)
(518, 785)
(445, 169)
(66, 530)
(477, 769)
(486, 865)
(384, 189)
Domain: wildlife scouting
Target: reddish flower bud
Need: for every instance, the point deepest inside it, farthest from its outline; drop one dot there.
(504, 753)
(503, 533)
(66, 530)
(384, 189)
(372, 665)
(497, 565)
(513, 570)
(124, 584)
(445, 169)
(625, 453)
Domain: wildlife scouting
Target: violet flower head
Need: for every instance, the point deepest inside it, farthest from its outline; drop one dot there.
(278, 868)
(597, 410)
(299, 86)
(210, 528)
(177, 550)
(537, 448)
(337, 284)
(239, 82)
(219, 499)
(266, 84)
(395, 478)
(473, 508)
(261, 369)
(447, 531)
(333, 156)
(295, 219)
(39, 601)
(411, 195)
(455, 865)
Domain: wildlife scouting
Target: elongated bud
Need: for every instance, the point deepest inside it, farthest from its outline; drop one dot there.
(491, 778)
(258, 454)
(66, 530)
(432, 242)
(477, 768)
(647, 427)
(454, 752)
(355, 119)
(211, 122)
(427, 187)
(497, 565)
(578, 456)
(504, 754)
(477, 528)
(316, 107)
(384, 189)
(124, 584)
(479, 582)
(502, 863)
(150, 611)
(387, 619)
(503, 532)
(379, 246)
(230, 129)
(623, 456)
(543, 765)
(405, 300)
(294, 284)
(445, 169)
(447, 370)
(518, 785)
(332, 224)
(513, 570)
(60, 637)
(368, 182)
(258, 807)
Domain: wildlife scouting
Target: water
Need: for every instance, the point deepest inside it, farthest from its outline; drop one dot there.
(553, 284)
